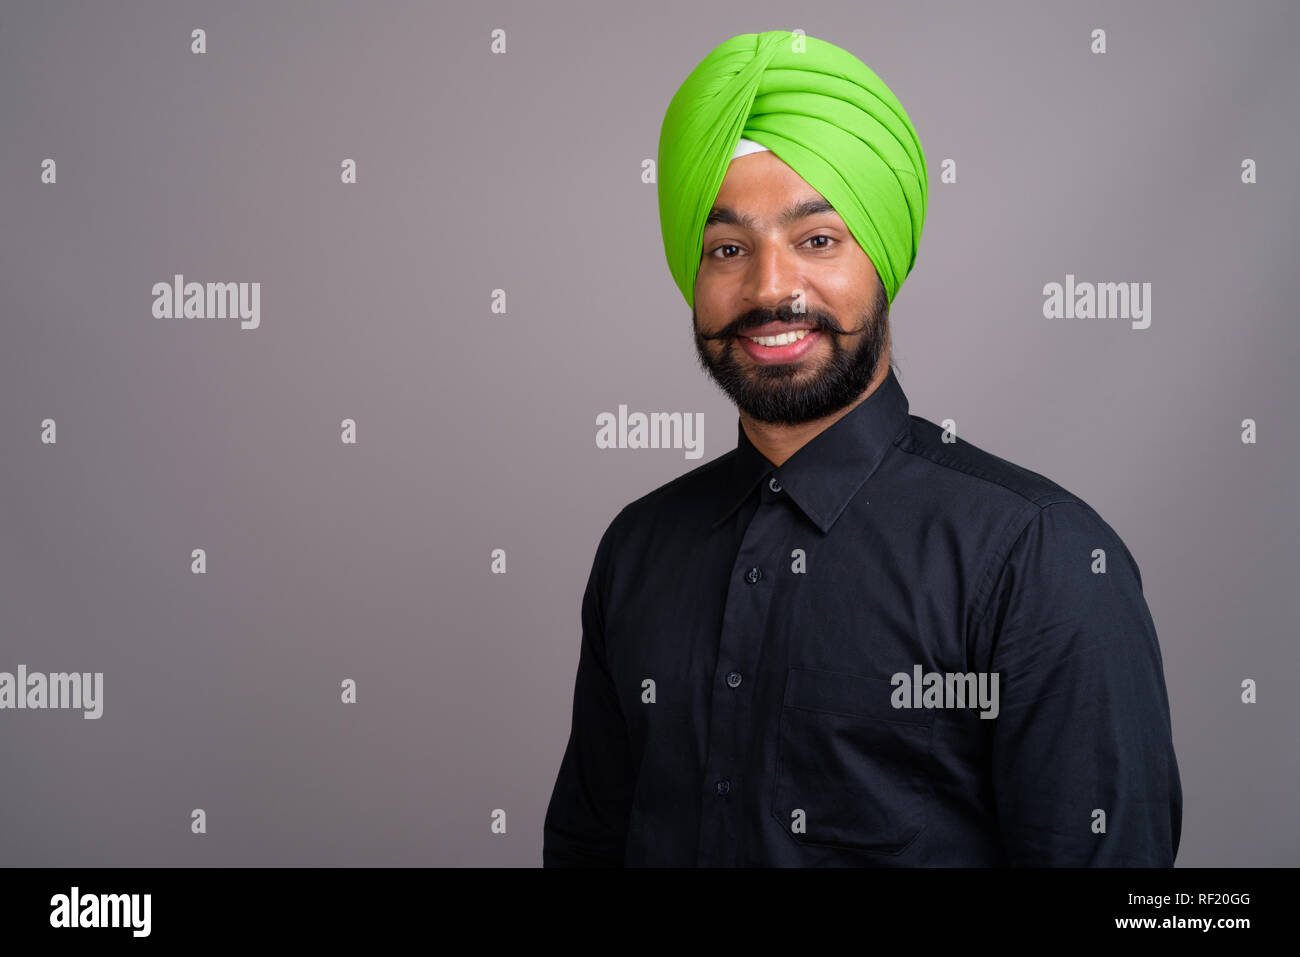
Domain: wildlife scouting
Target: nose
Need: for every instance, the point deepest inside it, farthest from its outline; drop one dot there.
(772, 278)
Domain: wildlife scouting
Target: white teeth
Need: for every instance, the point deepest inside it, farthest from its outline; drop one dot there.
(784, 339)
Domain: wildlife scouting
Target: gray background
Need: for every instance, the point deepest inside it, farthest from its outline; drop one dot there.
(477, 431)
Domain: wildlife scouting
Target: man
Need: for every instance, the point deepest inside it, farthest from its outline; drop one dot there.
(849, 641)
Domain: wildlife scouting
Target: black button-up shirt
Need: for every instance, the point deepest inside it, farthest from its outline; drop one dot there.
(771, 658)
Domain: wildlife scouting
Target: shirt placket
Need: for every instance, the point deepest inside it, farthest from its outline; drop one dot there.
(732, 724)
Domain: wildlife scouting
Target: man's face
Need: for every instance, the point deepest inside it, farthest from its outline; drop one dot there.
(757, 264)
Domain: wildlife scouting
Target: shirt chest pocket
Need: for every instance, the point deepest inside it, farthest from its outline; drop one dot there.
(852, 770)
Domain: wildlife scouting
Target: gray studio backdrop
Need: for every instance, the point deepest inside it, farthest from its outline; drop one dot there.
(475, 430)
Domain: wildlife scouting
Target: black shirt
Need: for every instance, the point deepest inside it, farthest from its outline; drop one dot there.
(746, 630)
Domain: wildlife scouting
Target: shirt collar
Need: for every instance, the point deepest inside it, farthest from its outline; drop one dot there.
(828, 470)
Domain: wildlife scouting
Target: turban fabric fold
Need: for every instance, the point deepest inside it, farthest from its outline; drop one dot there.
(823, 113)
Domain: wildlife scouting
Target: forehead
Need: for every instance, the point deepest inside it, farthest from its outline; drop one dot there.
(761, 185)
(763, 172)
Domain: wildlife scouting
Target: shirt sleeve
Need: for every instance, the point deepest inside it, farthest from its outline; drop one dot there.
(1084, 772)
(587, 819)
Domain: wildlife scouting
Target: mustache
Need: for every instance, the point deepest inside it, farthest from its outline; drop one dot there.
(761, 317)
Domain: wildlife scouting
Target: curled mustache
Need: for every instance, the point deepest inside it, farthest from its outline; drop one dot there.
(761, 317)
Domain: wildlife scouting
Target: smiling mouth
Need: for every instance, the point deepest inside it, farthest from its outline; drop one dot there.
(784, 339)
(788, 347)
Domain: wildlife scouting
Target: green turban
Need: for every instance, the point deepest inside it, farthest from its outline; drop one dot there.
(825, 114)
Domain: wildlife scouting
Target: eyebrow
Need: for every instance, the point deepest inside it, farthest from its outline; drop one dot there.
(792, 214)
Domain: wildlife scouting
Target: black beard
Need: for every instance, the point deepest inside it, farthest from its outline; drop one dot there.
(771, 393)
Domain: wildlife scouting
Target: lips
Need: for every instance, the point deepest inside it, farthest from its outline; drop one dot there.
(776, 328)
(779, 355)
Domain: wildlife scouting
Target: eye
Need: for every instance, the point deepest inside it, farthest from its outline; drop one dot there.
(829, 241)
(724, 246)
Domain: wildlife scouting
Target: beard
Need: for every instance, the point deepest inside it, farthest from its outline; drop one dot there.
(796, 392)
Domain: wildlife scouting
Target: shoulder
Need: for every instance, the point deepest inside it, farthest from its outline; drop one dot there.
(973, 466)
(703, 485)
(690, 497)
(1033, 511)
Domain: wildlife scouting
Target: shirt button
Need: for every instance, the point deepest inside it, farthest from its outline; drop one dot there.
(773, 484)
(724, 786)
(733, 678)
(753, 575)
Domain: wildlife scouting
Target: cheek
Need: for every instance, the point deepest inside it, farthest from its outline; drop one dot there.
(706, 289)
(711, 306)
(841, 294)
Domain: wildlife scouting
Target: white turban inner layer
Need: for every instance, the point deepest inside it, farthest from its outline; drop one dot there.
(745, 147)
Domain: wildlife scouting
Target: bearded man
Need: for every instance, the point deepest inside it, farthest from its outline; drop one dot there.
(850, 641)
